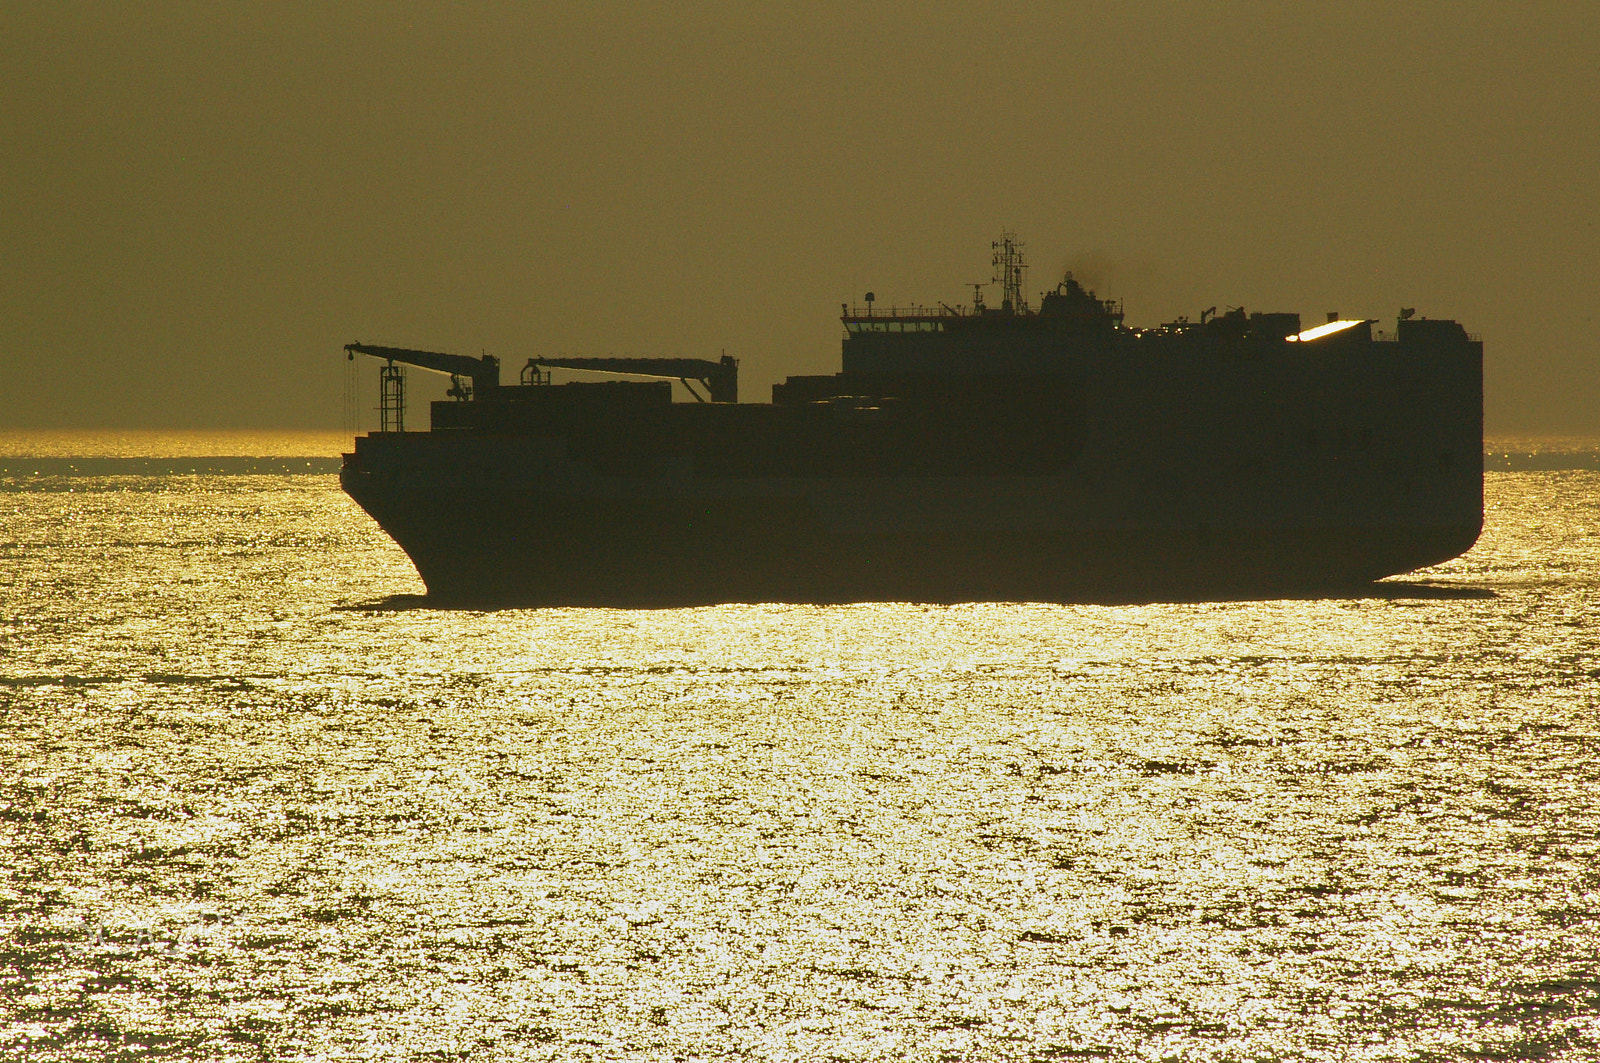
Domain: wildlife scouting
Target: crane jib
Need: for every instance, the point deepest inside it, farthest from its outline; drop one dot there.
(483, 372)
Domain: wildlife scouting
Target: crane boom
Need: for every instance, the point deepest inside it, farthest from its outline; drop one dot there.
(720, 378)
(483, 372)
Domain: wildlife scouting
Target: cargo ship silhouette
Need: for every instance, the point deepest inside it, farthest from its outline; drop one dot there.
(962, 453)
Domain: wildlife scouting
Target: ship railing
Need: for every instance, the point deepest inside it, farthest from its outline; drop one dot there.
(912, 311)
(1384, 336)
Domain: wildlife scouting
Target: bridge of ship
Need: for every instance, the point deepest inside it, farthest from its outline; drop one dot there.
(900, 319)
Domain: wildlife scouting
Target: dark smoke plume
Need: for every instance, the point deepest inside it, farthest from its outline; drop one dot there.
(1110, 276)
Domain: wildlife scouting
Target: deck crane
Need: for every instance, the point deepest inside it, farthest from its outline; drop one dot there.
(479, 378)
(468, 377)
(484, 373)
(720, 378)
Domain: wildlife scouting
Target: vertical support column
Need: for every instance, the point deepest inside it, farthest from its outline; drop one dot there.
(392, 398)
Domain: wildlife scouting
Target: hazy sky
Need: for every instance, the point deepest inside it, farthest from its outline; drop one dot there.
(200, 203)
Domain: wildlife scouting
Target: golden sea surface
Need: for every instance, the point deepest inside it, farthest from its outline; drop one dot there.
(159, 443)
(258, 802)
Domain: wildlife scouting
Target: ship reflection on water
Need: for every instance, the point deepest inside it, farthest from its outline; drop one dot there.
(243, 820)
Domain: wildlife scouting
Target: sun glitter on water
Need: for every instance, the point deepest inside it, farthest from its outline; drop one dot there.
(167, 443)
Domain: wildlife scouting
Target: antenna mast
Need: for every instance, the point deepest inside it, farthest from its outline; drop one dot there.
(1010, 271)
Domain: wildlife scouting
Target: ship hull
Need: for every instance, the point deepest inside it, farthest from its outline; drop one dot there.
(478, 539)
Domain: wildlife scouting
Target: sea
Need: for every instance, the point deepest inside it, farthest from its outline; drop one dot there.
(260, 801)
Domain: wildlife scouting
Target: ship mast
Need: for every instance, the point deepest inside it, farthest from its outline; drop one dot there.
(1010, 271)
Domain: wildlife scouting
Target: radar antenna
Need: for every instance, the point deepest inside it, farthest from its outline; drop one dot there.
(1010, 271)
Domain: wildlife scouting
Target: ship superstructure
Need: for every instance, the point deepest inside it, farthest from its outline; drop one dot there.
(962, 452)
